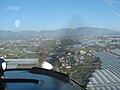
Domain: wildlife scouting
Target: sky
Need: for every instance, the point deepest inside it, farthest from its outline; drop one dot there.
(19, 15)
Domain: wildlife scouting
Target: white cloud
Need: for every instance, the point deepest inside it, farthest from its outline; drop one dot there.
(14, 8)
(17, 23)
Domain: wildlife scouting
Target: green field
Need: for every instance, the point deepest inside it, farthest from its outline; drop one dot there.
(50, 42)
(87, 49)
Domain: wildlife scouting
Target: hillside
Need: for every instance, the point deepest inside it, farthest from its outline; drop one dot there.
(80, 31)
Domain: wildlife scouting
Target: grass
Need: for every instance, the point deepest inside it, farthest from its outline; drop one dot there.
(87, 49)
(89, 59)
(51, 42)
(26, 66)
(81, 72)
(7, 52)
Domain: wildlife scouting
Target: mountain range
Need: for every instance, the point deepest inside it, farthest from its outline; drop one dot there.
(80, 31)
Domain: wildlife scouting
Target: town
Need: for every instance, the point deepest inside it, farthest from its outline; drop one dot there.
(78, 57)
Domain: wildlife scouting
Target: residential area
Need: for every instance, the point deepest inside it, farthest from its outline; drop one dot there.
(79, 58)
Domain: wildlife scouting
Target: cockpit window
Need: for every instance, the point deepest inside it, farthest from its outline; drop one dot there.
(80, 38)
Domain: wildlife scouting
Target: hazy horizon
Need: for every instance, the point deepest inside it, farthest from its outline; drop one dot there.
(57, 29)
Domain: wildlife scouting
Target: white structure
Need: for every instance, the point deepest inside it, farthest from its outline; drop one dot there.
(13, 63)
(108, 78)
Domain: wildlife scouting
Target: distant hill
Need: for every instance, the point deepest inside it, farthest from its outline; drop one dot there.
(91, 31)
(80, 31)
